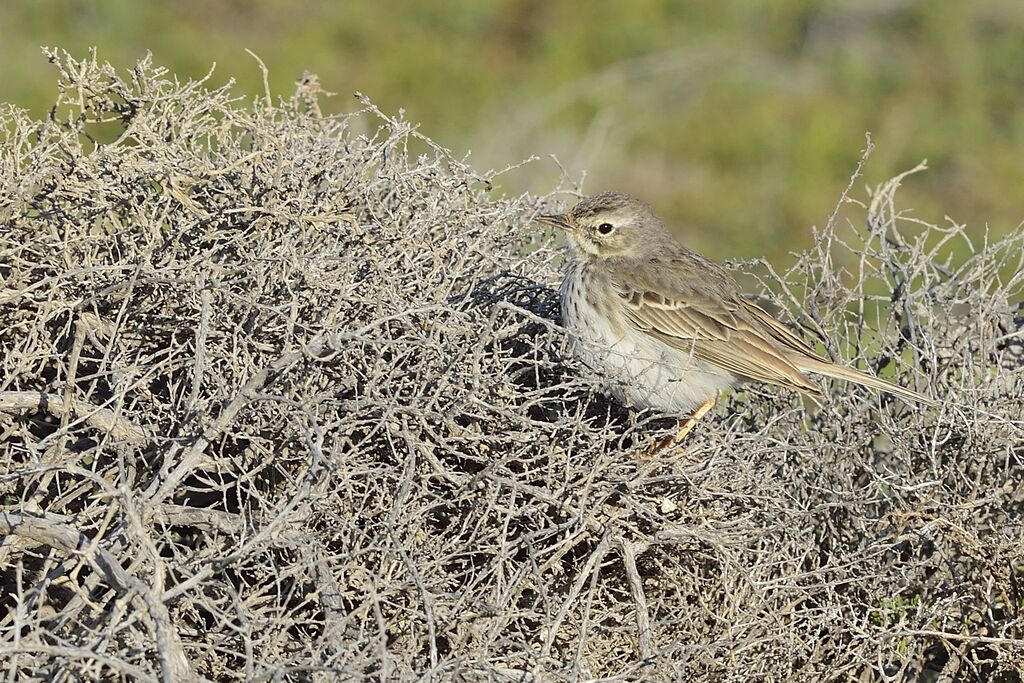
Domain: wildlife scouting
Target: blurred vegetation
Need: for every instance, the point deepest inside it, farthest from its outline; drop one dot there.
(740, 120)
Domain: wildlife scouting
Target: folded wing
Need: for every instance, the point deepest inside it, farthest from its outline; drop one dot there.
(706, 318)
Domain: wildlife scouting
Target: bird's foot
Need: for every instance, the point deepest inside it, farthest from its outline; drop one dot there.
(684, 429)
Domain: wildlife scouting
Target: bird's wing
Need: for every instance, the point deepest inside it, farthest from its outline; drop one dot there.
(694, 306)
(780, 333)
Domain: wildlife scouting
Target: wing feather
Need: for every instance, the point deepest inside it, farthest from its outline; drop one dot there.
(707, 318)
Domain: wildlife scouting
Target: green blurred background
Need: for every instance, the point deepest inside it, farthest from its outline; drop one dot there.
(740, 120)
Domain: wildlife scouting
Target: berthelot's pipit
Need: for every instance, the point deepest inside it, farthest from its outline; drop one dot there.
(670, 328)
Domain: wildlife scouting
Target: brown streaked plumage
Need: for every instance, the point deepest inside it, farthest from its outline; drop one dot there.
(669, 327)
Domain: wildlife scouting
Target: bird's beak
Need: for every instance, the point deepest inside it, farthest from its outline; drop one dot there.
(558, 220)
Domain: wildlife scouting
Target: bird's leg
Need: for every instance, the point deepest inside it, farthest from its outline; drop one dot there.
(691, 422)
(687, 426)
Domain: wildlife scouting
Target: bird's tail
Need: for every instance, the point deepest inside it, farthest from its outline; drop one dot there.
(858, 377)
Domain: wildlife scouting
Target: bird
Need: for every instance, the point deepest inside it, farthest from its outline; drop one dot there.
(670, 328)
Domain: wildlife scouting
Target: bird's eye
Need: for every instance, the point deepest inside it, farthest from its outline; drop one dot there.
(605, 228)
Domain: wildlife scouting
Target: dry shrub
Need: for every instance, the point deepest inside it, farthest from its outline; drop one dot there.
(282, 400)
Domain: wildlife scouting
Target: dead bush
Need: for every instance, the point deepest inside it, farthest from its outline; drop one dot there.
(285, 397)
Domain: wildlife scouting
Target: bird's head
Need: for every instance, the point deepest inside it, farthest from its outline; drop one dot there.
(611, 224)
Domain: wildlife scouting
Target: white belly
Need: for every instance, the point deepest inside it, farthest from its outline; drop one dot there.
(638, 370)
